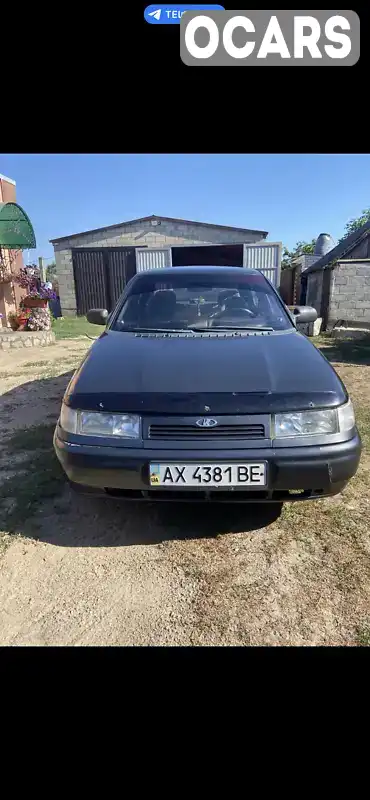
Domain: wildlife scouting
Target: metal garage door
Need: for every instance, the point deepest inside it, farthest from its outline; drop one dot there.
(265, 256)
(153, 258)
(101, 275)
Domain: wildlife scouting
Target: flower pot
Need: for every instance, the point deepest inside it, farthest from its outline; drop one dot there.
(34, 302)
(22, 321)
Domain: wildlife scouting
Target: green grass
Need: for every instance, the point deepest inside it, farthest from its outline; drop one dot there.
(350, 351)
(346, 351)
(70, 327)
(363, 423)
(363, 636)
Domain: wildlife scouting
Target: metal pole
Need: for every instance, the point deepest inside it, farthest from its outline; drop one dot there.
(42, 268)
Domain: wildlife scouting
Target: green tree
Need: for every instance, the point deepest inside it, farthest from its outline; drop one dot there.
(301, 248)
(356, 223)
(50, 271)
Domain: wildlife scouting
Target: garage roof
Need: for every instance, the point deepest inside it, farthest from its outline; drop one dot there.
(263, 234)
(342, 249)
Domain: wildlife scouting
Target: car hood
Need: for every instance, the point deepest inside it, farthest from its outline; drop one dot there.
(184, 374)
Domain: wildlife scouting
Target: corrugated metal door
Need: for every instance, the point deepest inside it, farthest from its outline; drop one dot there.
(101, 275)
(90, 280)
(153, 258)
(120, 267)
(265, 256)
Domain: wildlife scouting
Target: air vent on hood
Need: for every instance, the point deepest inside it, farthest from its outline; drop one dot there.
(202, 334)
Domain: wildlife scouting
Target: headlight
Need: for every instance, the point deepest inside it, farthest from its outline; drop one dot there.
(346, 417)
(94, 423)
(68, 419)
(314, 423)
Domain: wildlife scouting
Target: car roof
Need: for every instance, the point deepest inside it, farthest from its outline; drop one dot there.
(200, 270)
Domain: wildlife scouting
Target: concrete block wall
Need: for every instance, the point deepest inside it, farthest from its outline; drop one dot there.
(167, 233)
(306, 260)
(350, 293)
(136, 235)
(64, 271)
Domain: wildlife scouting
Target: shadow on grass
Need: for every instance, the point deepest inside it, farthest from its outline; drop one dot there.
(37, 502)
(94, 522)
(348, 351)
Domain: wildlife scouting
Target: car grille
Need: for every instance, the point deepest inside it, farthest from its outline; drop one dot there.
(185, 432)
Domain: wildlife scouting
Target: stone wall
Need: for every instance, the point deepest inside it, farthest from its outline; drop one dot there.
(16, 339)
(350, 293)
(137, 234)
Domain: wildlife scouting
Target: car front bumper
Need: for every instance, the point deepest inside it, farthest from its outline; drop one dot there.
(293, 473)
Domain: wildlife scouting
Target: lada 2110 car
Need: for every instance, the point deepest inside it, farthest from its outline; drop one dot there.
(201, 388)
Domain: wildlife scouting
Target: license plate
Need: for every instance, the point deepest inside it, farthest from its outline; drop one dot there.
(207, 475)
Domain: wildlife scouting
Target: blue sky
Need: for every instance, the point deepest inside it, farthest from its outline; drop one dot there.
(293, 197)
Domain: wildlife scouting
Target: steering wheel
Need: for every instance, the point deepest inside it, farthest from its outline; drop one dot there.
(232, 312)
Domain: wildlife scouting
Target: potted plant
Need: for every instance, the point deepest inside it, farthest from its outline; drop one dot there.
(38, 293)
(13, 320)
(34, 302)
(22, 318)
(39, 319)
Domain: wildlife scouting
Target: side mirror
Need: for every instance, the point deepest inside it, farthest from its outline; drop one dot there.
(304, 314)
(97, 316)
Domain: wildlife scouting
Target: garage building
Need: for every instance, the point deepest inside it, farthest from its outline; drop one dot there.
(93, 267)
(335, 282)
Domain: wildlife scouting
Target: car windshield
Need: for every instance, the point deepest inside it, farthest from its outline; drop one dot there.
(198, 302)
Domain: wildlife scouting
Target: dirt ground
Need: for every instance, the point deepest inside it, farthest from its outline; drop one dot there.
(81, 571)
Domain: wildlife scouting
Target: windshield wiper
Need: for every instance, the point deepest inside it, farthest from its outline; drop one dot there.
(156, 330)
